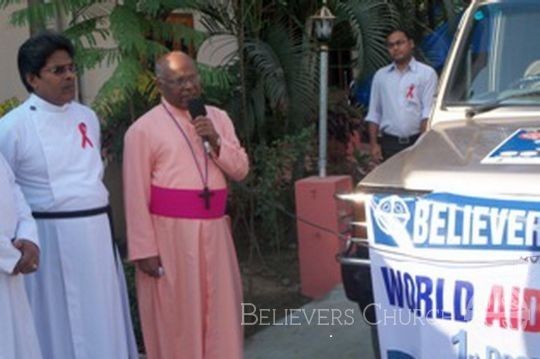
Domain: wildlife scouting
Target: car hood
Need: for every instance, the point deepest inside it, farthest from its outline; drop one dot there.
(448, 158)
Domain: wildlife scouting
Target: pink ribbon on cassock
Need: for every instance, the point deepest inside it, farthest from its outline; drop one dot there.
(410, 92)
(85, 138)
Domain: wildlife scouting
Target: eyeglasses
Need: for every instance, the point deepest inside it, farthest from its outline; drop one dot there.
(61, 69)
(181, 81)
(396, 43)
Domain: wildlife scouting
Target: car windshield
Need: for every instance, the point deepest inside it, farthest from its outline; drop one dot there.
(500, 59)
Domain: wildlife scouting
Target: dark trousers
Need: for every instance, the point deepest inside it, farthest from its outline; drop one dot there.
(390, 145)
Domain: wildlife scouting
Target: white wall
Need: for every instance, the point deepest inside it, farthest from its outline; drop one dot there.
(11, 38)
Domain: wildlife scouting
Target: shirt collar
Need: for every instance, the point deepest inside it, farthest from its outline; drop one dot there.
(411, 66)
(38, 102)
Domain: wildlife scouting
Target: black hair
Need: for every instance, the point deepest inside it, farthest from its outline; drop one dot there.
(402, 30)
(35, 51)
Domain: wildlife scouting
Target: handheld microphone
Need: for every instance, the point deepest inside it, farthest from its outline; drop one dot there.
(196, 108)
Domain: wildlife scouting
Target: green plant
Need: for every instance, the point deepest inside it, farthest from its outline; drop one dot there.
(8, 105)
(276, 93)
(369, 22)
(270, 190)
(346, 129)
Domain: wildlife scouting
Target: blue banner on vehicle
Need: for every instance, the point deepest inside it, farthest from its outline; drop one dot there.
(456, 222)
(455, 276)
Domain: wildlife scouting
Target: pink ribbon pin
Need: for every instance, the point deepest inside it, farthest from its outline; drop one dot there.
(85, 138)
(410, 92)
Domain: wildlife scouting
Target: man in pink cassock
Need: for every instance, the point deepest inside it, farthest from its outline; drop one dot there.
(188, 281)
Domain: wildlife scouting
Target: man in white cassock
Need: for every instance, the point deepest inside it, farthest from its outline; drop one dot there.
(19, 254)
(78, 296)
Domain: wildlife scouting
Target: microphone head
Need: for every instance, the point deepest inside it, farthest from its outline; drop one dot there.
(196, 107)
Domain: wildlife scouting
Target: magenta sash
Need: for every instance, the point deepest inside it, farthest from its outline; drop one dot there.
(186, 203)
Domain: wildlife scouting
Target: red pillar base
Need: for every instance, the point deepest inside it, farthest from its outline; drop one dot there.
(317, 249)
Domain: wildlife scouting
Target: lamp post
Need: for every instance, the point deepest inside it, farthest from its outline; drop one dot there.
(323, 22)
(315, 196)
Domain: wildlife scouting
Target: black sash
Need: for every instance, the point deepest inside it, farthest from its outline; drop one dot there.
(72, 214)
(82, 213)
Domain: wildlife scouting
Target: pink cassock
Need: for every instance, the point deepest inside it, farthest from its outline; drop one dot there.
(194, 310)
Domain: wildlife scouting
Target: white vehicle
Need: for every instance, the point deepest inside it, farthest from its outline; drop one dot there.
(484, 129)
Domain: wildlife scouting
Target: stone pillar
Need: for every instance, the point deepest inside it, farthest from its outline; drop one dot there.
(317, 248)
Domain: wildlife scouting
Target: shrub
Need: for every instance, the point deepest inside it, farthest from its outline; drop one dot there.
(8, 105)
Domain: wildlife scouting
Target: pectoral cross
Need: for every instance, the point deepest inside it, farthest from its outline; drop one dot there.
(206, 194)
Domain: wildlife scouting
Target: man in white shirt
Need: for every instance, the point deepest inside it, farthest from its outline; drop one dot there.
(402, 94)
(19, 254)
(52, 143)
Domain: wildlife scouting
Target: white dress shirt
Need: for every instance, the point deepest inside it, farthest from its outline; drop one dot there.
(400, 100)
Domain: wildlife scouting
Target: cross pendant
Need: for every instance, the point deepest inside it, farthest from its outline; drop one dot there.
(206, 194)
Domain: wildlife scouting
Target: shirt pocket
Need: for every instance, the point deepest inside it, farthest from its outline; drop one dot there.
(411, 93)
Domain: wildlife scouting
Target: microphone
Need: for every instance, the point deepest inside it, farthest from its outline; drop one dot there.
(196, 108)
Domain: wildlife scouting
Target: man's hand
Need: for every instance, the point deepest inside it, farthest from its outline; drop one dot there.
(205, 128)
(375, 147)
(151, 266)
(376, 153)
(29, 261)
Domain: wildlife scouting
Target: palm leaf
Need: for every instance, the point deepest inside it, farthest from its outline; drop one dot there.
(37, 14)
(278, 62)
(163, 31)
(122, 83)
(5, 3)
(370, 21)
(44, 12)
(298, 79)
(127, 29)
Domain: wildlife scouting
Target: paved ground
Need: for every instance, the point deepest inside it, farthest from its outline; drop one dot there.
(313, 336)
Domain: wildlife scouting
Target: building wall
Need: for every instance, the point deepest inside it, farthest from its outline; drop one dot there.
(10, 39)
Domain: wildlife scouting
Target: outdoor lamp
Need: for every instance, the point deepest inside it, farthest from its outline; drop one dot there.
(323, 21)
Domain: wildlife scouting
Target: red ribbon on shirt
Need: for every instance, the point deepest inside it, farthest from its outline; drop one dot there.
(85, 138)
(410, 92)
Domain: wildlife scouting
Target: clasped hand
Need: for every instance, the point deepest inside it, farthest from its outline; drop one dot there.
(29, 260)
(205, 128)
(151, 266)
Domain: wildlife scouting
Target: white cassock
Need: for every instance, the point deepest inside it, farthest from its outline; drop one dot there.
(78, 295)
(18, 338)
